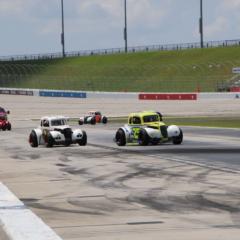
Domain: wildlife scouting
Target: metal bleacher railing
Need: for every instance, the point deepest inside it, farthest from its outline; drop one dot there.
(163, 47)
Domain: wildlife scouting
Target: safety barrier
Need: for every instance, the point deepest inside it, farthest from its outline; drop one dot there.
(120, 95)
(16, 92)
(167, 96)
(65, 94)
(235, 89)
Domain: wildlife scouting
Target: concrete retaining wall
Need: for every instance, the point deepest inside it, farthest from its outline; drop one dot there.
(118, 95)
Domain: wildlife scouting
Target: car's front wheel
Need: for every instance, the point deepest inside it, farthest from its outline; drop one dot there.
(178, 140)
(83, 140)
(80, 122)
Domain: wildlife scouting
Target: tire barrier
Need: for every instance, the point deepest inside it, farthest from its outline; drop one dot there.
(64, 94)
(167, 96)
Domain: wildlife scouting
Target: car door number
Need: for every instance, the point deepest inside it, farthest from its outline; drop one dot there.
(135, 132)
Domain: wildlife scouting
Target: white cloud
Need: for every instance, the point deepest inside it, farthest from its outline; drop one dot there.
(217, 27)
(14, 6)
(49, 27)
(231, 4)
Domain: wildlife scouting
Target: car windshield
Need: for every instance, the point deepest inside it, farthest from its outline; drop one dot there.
(58, 122)
(151, 118)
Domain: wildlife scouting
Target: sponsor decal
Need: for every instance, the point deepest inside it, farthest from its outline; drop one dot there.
(16, 92)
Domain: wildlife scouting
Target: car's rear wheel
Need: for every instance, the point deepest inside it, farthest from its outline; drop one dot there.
(120, 137)
(155, 141)
(9, 127)
(80, 122)
(33, 139)
(178, 140)
(143, 138)
(83, 140)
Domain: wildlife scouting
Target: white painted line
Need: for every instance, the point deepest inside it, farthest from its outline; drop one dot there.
(20, 223)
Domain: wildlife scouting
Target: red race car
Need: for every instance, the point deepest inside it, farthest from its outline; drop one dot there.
(93, 117)
(4, 123)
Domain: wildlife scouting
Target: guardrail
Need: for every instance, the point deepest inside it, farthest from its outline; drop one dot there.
(156, 47)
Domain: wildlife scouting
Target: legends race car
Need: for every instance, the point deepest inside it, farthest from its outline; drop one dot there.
(55, 131)
(147, 128)
(4, 123)
(93, 117)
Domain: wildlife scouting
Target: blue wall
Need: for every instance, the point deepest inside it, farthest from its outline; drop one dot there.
(62, 94)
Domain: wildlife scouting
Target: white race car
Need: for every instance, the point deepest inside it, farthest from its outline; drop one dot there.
(55, 131)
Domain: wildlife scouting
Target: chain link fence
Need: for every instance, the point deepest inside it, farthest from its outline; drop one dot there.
(108, 51)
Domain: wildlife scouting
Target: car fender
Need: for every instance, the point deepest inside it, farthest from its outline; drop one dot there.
(77, 134)
(57, 136)
(39, 132)
(153, 133)
(128, 132)
(173, 131)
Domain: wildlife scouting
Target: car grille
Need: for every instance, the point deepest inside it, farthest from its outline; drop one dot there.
(67, 132)
(164, 131)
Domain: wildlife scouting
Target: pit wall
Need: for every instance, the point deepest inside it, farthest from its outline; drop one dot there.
(119, 95)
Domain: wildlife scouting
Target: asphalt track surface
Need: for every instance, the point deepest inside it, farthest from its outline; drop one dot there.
(102, 191)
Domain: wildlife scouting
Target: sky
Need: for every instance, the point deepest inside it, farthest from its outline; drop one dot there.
(34, 26)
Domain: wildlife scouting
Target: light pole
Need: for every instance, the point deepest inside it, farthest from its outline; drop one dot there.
(201, 24)
(62, 34)
(125, 26)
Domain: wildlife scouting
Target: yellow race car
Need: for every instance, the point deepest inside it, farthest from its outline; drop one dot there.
(147, 128)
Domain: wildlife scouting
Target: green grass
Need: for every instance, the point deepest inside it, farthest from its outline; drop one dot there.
(222, 122)
(163, 71)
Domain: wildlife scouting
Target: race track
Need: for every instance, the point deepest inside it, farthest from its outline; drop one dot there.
(102, 191)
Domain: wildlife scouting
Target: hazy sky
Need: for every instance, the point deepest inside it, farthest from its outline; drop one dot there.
(34, 26)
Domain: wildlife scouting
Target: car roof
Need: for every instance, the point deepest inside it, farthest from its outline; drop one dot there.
(143, 113)
(53, 117)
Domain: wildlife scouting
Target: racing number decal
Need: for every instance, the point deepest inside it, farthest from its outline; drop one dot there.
(135, 132)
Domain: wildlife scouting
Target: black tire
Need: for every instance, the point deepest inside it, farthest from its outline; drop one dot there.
(178, 140)
(104, 120)
(80, 122)
(143, 138)
(33, 139)
(83, 141)
(93, 121)
(4, 128)
(9, 127)
(120, 137)
(50, 140)
(155, 142)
